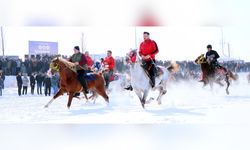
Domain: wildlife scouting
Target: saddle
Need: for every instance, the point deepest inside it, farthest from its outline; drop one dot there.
(158, 71)
(89, 76)
(220, 71)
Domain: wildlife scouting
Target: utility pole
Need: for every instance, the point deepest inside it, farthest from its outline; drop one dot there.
(135, 38)
(229, 51)
(222, 41)
(82, 41)
(2, 39)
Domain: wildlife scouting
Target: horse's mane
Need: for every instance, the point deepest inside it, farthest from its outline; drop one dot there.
(68, 64)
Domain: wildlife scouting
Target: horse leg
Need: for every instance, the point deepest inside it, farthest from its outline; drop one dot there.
(93, 97)
(101, 91)
(162, 92)
(218, 82)
(205, 82)
(228, 83)
(143, 100)
(59, 93)
(70, 99)
(138, 93)
(211, 85)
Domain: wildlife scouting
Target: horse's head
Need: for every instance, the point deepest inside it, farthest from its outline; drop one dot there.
(131, 56)
(201, 59)
(54, 65)
(173, 67)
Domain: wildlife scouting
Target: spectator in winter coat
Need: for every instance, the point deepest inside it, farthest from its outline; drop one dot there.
(23, 68)
(19, 83)
(13, 67)
(25, 83)
(55, 82)
(2, 77)
(1, 85)
(39, 82)
(47, 84)
(32, 83)
(18, 65)
(109, 64)
(97, 66)
(89, 60)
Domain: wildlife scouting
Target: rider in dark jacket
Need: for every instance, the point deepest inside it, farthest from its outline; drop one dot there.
(81, 65)
(211, 57)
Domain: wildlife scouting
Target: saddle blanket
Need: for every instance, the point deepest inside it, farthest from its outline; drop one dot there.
(89, 76)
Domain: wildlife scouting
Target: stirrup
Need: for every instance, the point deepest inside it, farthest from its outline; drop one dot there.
(129, 88)
(86, 91)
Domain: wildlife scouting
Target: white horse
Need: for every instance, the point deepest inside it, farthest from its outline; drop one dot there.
(140, 81)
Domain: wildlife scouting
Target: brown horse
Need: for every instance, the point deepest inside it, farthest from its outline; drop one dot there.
(69, 83)
(210, 75)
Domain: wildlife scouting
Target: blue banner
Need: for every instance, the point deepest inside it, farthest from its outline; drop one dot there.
(42, 47)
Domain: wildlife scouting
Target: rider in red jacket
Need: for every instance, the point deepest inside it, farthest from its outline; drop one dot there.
(148, 50)
(89, 60)
(109, 61)
(109, 64)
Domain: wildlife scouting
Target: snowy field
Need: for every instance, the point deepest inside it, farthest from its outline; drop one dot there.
(190, 118)
(184, 103)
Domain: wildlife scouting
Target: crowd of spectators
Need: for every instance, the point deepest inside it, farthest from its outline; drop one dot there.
(33, 72)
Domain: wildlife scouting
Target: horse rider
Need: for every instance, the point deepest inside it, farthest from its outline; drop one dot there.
(109, 64)
(148, 50)
(89, 60)
(211, 57)
(80, 61)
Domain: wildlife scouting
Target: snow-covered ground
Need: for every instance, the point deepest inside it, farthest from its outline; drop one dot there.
(184, 103)
(190, 118)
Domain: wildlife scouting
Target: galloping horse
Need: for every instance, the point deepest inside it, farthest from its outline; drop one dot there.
(69, 83)
(210, 76)
(141, 82)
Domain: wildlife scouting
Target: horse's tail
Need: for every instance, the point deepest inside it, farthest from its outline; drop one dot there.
(231, 75)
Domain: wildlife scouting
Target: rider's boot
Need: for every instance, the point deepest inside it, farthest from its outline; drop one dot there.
(129, 88)
(84, 85)
(153, 81)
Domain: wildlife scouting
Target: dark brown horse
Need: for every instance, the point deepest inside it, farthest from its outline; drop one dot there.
(69, 83)
(210, 75)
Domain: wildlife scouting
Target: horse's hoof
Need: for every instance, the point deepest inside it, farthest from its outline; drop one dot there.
(164, 92)
(149, 101)
(159, 102)
(227, 92)
(46, 106)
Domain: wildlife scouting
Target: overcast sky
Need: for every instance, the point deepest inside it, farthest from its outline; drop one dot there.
(184, 28)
